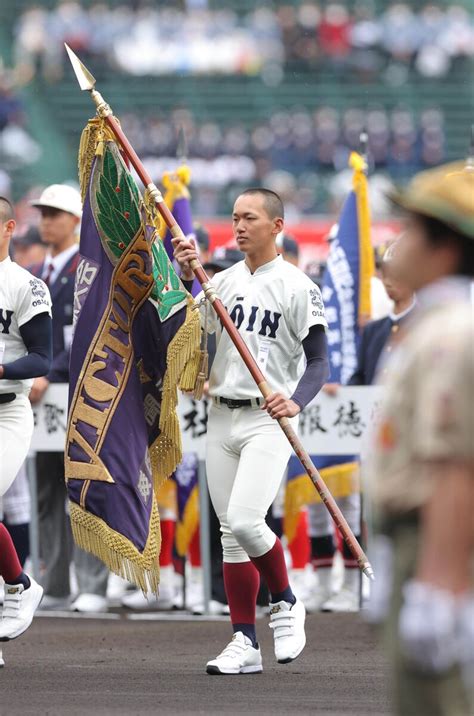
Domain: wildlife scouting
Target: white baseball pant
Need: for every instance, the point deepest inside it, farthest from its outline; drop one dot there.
(16, 429)
(246, 458)
(17, 501)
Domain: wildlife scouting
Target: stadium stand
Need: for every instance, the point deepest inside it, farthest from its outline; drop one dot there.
(284, 111)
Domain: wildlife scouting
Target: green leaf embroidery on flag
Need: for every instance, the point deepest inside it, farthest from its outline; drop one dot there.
(118, 202)
(119, 218)
(110, 167)
(163, 272)
(174, 281)
(170, 298)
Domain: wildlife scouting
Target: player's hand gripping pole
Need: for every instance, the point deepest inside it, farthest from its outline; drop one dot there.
(87, 82)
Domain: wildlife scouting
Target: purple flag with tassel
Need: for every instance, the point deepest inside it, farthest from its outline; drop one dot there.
(135, 336)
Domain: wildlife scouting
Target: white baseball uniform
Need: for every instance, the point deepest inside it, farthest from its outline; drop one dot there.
(22, 296)
(247, 454)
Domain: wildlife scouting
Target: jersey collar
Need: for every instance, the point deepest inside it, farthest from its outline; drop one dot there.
(269, 266)
(6, 261)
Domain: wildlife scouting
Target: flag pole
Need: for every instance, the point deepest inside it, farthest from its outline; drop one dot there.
(87, 82)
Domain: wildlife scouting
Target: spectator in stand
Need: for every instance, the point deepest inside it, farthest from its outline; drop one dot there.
(334, 34)
(149, 40)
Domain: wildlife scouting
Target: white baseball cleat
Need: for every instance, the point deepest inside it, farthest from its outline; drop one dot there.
(239, 657)
(287, 622)
(19, 606)
(344, 601)
(90, 604)
(2, 662)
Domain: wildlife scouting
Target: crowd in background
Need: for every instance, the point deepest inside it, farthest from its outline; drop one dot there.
(290, 152)
(147, 38)
(17, 147)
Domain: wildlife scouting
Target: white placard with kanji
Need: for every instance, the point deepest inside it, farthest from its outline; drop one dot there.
(330, 425)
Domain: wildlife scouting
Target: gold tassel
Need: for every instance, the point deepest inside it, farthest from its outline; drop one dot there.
(100, 145)
(166, 451)
(191, 372)
(92, 144)
(204, 362)
(202, 375)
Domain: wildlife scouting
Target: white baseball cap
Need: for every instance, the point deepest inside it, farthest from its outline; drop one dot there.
(60, 196)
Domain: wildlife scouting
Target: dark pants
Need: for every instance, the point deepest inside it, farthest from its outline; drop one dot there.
(56, 546)
(55, 539)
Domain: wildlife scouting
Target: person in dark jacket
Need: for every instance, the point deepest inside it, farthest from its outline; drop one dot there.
(61, 210)
(377, 336)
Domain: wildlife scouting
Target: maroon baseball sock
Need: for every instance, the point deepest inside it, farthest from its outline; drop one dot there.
(272, 567)
(10, 567)
(242, 582)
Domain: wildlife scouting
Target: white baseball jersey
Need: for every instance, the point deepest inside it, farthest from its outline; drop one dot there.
(273, 310)
(22, 296)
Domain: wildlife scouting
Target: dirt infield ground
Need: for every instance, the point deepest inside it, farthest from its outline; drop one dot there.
(87, 667)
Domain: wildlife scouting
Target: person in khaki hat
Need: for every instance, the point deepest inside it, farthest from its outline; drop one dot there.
(423, 466)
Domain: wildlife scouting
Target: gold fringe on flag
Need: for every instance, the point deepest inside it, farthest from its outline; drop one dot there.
(93, 138)
(117, 552)
(182, 365)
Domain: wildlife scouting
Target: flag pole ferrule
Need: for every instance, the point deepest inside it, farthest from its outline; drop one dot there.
(103, 109)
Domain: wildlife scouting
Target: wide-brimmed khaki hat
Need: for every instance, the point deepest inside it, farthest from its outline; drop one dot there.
(445, 193)
(62, 197)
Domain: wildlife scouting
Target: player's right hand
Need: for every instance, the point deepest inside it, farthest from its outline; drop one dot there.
(38, 389)
(184, 252)
(331, 389)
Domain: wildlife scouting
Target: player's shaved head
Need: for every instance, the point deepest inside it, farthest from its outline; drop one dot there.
(6, 210)
(271, 201)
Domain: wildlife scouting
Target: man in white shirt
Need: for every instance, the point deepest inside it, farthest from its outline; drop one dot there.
(279, 313)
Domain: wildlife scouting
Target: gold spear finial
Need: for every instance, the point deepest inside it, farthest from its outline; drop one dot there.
(87, 82)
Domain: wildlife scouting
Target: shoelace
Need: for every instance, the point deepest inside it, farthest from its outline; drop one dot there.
(11, 604)
(282, 622)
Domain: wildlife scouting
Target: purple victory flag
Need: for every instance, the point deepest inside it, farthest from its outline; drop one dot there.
(134, 333)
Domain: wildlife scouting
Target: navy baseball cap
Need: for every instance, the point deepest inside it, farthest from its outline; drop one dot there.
(224, 258)
(202, 236)
(290, 246)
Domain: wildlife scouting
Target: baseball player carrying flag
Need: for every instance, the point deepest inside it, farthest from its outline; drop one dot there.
(279, 312)
(277, 315)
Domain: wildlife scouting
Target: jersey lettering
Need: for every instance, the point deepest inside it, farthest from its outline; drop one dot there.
(237, 315)
(5, 320)
(270, 323)
(253, 316)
